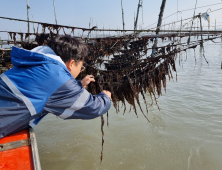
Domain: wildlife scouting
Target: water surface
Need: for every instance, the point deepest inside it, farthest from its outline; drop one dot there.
(185, 134)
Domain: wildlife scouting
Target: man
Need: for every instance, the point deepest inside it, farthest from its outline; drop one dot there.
(43, 81)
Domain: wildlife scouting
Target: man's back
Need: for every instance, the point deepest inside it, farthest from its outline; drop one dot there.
(40, 83)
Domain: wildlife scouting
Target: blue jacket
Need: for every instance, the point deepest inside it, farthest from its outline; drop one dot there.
(38, 84)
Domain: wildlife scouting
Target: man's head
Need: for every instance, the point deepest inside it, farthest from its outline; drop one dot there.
(71, 50)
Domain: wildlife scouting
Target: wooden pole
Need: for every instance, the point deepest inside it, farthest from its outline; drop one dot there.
(28, 18)
(201, 44)
(208, 30)
(188, 41)
(92, 25)
(103, 31)
(215, 24)
(158, 26)
(122, 15)
(181, 24)
(33, 25)
(55, 12)
(1, 42)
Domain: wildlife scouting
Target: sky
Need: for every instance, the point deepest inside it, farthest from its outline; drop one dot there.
(104, 13)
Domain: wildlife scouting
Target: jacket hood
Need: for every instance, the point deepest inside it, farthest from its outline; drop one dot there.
(39, 55)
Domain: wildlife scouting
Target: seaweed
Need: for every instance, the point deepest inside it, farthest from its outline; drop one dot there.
(129, 70)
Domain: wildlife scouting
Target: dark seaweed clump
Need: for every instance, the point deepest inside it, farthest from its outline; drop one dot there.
(120, 64)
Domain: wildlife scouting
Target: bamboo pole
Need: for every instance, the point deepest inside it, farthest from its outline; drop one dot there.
(215, 24)
(181, 24)
(28, 18)
(188, 41)
(158, 26)
(137, 15)
(89, 26)
(55, 12)
(208, 30)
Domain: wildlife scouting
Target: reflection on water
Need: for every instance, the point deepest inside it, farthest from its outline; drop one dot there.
(185, 134)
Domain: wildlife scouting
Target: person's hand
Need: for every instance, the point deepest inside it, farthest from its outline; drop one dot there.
(107, 93)
(87, 80)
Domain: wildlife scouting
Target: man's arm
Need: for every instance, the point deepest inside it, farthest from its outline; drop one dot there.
(73, 101)
(90, 78)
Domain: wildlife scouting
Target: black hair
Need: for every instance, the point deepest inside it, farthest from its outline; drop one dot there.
(68, 48)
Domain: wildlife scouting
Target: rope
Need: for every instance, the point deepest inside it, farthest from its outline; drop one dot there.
(183, 11)
(183, 19)
(87, 29)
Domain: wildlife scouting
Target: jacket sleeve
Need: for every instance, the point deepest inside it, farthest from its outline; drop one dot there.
(73, 101)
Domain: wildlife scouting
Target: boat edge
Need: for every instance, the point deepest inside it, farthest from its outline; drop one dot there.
(35, 153)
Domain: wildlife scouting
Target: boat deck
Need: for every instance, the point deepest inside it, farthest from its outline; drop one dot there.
(21, 158)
